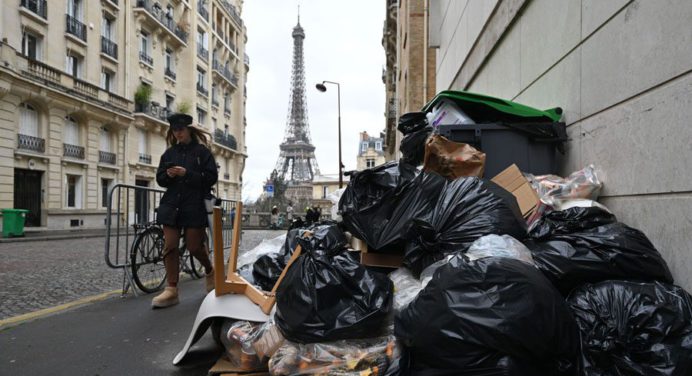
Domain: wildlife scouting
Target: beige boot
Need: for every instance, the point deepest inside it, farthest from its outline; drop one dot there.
(167, 298)
(209, 281)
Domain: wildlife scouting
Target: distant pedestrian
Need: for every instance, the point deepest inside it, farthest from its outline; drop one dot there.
(309, 216)
(289, 212)
(275, 218)
(232, 216)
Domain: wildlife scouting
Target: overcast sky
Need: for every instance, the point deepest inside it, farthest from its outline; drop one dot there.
(342, 44)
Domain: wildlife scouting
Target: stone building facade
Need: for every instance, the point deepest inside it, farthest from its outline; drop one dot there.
(370, 151)
(86, 86)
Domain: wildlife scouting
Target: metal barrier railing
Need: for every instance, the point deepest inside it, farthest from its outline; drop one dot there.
(129, 209)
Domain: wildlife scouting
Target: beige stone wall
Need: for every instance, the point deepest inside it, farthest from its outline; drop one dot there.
(622, 72)
(56, 94)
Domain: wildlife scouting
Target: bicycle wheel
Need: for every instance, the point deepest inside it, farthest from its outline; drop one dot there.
(195, 266)
(146, 257)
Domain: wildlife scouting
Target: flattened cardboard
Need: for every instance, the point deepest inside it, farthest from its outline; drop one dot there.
(381, 259)
(514, 181)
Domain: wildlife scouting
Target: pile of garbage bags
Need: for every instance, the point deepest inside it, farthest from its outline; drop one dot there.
(482, 291)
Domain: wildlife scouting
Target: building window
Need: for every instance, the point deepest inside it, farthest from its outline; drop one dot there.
(325, 191)
(169, 60)
(378, 145)
(225, 130)
(364, 147)
(74, 191)
(369, 163)
(201, 116)
(201, 78)
(142, 141)
(75, 9)
(107, 28)
(28, 120)
(213, 124)
(145, 48)
(169, 102)
(73, 65)
(105, 187)
(105, 140)
(31, 46)
(71, 133)
(107, 80)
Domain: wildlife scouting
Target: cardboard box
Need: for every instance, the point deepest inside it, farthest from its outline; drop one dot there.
(384, 260)
(514, 181)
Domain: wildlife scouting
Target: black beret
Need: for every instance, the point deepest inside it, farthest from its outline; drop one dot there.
(179, 120)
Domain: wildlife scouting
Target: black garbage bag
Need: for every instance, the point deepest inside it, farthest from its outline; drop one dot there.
(267, 269)
(587, 245)
(328, 296)
(467, 209)
(490, 315)
(411, 122)
(569, 221)
(380, 223)
(630, 328)
(416, 130)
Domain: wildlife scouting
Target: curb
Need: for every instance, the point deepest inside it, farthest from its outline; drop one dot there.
(49, 237)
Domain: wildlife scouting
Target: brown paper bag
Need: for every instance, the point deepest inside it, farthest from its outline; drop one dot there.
(452, 159)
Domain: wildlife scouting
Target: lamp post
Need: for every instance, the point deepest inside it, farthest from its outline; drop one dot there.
(323, 88)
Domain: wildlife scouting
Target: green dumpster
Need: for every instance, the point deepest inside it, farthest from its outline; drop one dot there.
(13, 222)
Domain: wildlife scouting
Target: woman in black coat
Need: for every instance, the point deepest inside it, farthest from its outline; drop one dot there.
(188, 171)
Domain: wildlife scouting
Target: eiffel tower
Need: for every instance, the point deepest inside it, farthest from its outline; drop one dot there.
(296, 164)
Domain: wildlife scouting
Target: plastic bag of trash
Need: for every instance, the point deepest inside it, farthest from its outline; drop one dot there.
(357, 357)
(381, 225)
(582, 184)
(237, 337)
(265, 247)
(406, 288)
(327, 295)
(267, 269)
(582, 245)
(467, 209)
(490, 315)
(334, 198)
(416, 130)
(631, 328)
(499, 246)
(452, 159)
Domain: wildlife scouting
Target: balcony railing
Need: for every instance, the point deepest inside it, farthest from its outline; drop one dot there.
(106, 157)
(56, 79)
(234, 14)
(75, 27)
(202, 90)
(154, 110)
(162, 17)
(170, 74)
(143, 57)
(109, 47)
(223, 138)
(202, 10)
(202, 52)
(31, 143)
(144, 158)
(225, 72)
(73, 151)
(40, 7)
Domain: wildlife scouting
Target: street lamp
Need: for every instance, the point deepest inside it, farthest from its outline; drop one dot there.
(323, 88)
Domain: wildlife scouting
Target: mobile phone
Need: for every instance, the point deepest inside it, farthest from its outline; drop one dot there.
(168, 165)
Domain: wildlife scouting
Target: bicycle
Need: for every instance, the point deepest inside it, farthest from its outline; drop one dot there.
(146, 257)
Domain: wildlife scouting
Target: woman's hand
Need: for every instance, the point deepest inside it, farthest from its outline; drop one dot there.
(176, 171)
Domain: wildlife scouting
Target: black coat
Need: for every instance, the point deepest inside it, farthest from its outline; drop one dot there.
(182, 205)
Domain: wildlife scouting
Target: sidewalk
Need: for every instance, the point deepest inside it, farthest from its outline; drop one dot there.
(116, 336)
(44, 234)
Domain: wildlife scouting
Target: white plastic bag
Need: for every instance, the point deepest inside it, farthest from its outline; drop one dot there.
(499, 246)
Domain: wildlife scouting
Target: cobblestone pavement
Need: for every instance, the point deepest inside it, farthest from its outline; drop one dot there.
(42, 274)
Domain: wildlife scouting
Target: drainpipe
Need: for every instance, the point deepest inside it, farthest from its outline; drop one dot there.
(425, 51)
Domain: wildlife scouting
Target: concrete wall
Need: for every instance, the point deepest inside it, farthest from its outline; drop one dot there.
(622, 70)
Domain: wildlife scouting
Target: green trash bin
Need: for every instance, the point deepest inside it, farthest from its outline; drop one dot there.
(13, 222)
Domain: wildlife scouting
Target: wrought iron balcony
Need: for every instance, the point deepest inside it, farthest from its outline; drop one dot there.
(73, 151)
(202, 10)
(202, 90)
(144, 158)
(154, 110)
(109, 47)
(31, 143)
(75, 27)
(170, 74)
(231, 10)
(106, 157)
(40, 7)
(202, 52)
(157, 14)
(143, 57)
(225, 139)
(224, 72)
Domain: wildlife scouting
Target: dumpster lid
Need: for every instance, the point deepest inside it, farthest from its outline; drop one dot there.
(482, 108)
(15, 211)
